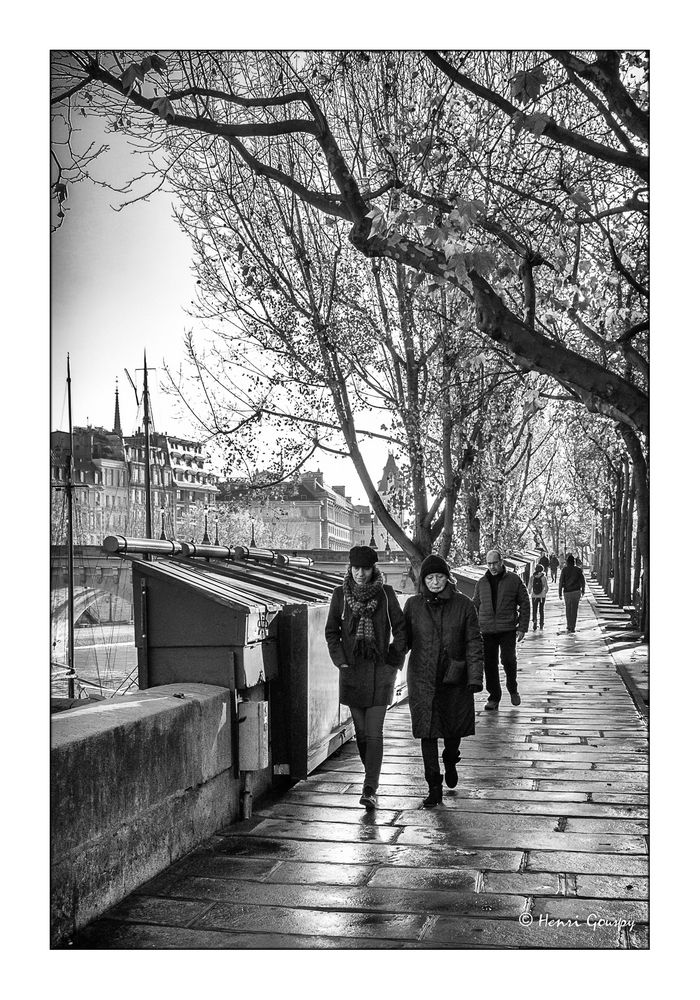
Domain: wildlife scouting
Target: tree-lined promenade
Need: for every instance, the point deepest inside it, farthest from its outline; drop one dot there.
(447, 252)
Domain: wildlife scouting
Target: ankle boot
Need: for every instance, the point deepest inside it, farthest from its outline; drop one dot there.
(451, 769)
(434, 796)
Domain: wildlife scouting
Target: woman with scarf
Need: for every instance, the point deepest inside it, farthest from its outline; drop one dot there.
(366, 638)
(445, 669)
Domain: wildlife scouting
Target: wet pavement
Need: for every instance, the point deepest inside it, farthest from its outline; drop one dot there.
(543, 844)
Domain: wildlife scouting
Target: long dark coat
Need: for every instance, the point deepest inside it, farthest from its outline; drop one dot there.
(442, 634)
(364, 683)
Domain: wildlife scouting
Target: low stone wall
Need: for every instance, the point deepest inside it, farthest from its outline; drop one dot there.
(135, 784)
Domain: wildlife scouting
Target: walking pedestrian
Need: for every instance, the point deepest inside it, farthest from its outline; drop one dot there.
(503, 606)
(573, 585)
(445, 669)
(554, 566)
(366, 637)
(544, 561)
(537, 589)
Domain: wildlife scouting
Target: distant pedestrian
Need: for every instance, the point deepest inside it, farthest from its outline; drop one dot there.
(544, 562)
(554, 566)
(366, 637)
(537, 589)
(572, 584)
(445, 669)
(578, 562)
(503, 605)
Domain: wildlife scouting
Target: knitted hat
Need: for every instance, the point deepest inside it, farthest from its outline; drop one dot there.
(433, 564)
(362, 556)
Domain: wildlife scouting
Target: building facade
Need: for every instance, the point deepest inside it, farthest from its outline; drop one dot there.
(109, 478)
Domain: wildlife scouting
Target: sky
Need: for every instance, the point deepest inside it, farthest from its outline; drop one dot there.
(121, 282)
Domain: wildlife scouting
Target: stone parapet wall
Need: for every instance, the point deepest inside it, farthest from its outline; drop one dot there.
(135, 784)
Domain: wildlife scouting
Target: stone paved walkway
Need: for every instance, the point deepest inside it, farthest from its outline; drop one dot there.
(543, 844)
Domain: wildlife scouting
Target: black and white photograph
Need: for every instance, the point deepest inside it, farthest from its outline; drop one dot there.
(350, 497)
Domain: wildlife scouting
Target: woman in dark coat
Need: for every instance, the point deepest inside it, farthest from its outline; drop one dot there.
(445, 669)
(363, 617)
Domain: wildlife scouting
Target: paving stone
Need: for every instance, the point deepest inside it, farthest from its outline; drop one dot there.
(426, 878)
(472, 785)
(472, 933)
(364, 832)
(309, 873)
(524, 883)
(639, 937)
(612, 886)
(156, 910)
(520, 839)
(108, 934)
(327, 923)
(602, 825)
(633, 798)
(590, 910)
(372, 898)
(457, 820)
(595, 787)
(215, 866)
(363, 854)
(587, 864)
(510, 810)
(355, 815)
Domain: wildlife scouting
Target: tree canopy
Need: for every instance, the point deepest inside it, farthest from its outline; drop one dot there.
(500, 196)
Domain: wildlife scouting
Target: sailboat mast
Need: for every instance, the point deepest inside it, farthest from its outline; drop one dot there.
(71, 573)
(147, 434)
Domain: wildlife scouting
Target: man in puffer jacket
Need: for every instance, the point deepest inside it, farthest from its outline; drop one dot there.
(503, 606)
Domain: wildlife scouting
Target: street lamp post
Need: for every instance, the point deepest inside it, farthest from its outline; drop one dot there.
(216, 527)
(205, 537)
(162, 524)
(372, 542)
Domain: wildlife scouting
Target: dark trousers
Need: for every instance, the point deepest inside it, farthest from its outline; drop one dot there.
(431, 761)
(369, 732)
(505, 643)
(571, 602)
(538, 601)
(554, 573)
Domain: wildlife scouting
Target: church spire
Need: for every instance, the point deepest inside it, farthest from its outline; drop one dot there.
(117, 418)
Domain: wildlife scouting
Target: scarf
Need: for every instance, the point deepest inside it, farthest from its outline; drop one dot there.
(363, 601)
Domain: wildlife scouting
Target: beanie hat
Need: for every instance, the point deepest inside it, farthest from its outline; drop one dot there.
(362, 556)
(433, 564)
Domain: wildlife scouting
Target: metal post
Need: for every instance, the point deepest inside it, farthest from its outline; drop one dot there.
(372, 542)
(146, 427)
(205, 536)
(69, 495)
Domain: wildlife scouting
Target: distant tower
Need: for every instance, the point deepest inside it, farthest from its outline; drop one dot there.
(390, 491)
(117, 418)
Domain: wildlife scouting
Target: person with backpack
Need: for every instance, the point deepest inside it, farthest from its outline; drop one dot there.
(537, 589)
(572, 584)
(554, 566)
